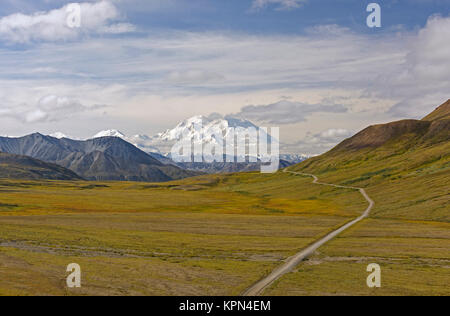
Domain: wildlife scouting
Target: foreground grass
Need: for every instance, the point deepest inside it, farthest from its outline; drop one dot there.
(408, 232)
(413, 255)
(30, 273)
(212, 235)
(216, 235)
(347, 276)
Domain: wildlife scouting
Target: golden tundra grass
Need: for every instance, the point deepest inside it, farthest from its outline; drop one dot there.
(212, 235)
(407, 234)
(215, 235)
(413, 255)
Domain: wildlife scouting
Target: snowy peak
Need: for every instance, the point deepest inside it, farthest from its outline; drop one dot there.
(210, 130)
(58, 135)
(205, 130)
(143, 142)
(109, 133)
(201, 126)
(190, 126)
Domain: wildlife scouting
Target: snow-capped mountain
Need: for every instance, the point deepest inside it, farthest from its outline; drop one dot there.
(294, 158)
(109, 133)
(203, 131)
(58, 135)
(143, 142)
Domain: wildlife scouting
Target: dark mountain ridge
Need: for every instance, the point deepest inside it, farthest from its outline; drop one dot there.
(27, 168)
(102, 159)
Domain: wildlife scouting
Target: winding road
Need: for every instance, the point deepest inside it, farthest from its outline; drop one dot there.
(295, 260)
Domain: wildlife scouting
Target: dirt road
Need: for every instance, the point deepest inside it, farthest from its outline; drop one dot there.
(294, 261)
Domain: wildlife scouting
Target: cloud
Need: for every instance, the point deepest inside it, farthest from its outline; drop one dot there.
(50, 108)
(118, 28)
(286, 112)
(280, 4)
(193, 77)
(99, 17)
(165, 76)
(334, 134)
(319, 142)
(424, 78)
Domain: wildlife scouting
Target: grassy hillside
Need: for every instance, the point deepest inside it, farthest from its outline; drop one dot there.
(441, 113)
(404, 165)
(22, 167)
(405, 168)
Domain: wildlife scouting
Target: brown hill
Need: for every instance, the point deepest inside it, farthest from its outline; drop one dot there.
(441, 113)
(378, 135)
(404, 165)
(434, 128)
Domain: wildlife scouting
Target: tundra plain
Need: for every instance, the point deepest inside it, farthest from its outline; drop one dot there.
(209, 235)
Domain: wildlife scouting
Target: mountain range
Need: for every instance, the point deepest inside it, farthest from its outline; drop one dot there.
(102, 159)
(203, 130)
(111, 155)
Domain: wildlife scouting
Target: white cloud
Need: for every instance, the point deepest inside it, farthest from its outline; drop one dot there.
(281, 4)
(98, 17)
(34, 116)
(193, 77)
(334, 134)
(286, 112)
(118, 28)
(319, 142)
(155, 80)
(50, 108)
(424, 78)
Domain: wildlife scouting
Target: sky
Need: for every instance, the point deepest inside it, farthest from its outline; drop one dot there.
(311, 67)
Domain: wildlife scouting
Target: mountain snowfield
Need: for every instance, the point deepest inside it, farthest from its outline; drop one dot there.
(59, 135)
(109, 133)
(203, 130)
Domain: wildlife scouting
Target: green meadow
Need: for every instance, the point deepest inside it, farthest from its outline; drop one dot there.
(210, 235)
(217, 235)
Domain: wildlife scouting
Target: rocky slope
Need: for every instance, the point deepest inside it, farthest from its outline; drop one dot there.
(102, 159)
(27, 168)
